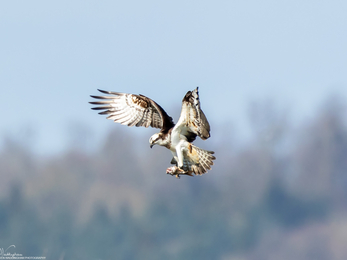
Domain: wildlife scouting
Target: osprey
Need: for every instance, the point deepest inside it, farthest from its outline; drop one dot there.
(139, 110)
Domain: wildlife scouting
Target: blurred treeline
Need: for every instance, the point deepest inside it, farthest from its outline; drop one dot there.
(282, 195)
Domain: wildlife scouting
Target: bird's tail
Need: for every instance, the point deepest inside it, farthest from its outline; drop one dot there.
(197, 160)
(205, 160)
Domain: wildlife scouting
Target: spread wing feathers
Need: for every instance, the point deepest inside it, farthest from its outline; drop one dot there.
(196, 160)
(192, 121)
(132, 110)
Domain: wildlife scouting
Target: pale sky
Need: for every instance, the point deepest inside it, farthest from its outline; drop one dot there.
(53, 55)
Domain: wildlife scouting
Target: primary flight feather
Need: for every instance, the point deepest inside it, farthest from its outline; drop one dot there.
(139, 110)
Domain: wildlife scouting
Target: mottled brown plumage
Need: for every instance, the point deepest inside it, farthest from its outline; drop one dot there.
(133, 110)
(139, 110)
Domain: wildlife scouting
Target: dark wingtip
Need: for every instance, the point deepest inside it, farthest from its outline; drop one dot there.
(97, 97)
(103, 91)
(110, 92)
(187, 96)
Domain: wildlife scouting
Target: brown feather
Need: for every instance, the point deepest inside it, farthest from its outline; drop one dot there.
(131, 110)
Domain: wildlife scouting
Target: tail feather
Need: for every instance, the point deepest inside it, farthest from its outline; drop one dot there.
(205, 159)
(199, 160)
(196, 160)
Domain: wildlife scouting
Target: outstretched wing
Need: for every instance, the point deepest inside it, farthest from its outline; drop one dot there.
(132, 110)
(192, 121)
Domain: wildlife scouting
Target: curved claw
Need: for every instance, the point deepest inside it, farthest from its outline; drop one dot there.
(177, 171)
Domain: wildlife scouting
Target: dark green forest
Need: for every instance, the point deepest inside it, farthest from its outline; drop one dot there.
(282, 195)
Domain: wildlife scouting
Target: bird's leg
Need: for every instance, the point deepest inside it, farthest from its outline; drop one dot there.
(179, 152)
(178, 169)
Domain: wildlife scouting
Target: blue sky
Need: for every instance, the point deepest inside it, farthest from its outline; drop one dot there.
(53, 55)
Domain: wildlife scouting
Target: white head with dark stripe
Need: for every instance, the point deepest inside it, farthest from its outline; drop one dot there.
(158, 139)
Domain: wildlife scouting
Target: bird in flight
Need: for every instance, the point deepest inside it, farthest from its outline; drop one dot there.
(139, 110)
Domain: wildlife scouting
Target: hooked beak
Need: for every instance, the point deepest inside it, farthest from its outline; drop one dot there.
(151, 145)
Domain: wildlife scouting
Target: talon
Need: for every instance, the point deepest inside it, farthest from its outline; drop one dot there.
(177, 171)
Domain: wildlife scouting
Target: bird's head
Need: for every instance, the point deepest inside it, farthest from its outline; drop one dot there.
(156, 139)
